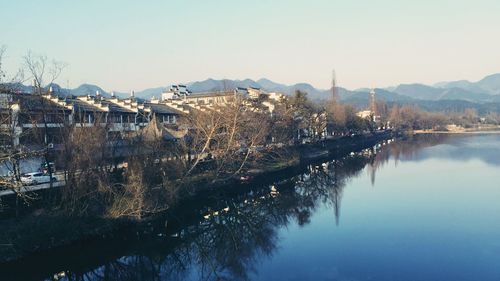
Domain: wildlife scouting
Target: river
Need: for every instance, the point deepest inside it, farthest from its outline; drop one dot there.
(426, 208)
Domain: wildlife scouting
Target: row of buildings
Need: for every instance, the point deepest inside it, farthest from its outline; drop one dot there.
(21, 112)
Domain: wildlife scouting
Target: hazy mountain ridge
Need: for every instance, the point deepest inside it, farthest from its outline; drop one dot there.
(219, 85)
(444, 94)
(488, 85)
(418, 91)
(84, 89)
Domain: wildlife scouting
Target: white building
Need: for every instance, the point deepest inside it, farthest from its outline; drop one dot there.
(175, 92)
(279, 97)
(254, 93)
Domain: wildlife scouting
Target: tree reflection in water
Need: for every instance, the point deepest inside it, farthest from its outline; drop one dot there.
(227, 239)
(231, 238)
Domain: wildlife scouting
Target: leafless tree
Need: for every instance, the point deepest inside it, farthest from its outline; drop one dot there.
(336, 117)
(87, 170)
(12, 152)
(44, 73)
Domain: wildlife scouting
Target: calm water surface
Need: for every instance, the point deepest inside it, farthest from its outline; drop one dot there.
(422, 209)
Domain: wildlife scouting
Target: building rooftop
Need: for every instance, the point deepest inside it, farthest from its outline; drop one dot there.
(161, 108)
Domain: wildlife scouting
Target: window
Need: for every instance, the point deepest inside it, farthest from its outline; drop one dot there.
(114, 118)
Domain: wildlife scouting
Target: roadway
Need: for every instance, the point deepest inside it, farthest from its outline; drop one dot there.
(28, 188)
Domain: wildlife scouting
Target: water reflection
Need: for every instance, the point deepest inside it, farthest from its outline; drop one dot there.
(228, 237)
(453, 147)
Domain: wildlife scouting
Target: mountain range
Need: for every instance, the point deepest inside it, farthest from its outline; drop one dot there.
(462, 92)
(484, 91)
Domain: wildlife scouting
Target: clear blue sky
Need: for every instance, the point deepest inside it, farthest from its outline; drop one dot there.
(131, 45)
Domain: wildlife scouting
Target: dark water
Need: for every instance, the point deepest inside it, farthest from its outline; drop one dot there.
(422, 209)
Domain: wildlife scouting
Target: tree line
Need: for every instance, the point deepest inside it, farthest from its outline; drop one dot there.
(113, 176)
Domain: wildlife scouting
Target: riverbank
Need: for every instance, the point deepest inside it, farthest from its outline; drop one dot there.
(43, 230)
(452, 129)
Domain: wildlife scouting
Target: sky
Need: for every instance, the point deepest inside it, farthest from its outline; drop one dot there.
(126, 45)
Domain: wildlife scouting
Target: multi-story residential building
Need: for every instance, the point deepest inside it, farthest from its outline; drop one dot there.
(21, 113)
(123, 117)
(37, 121)
(175, 91)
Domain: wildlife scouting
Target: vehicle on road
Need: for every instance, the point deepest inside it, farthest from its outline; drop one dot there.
(36, 178)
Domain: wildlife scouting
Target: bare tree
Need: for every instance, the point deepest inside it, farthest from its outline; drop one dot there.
(44, 73)
(84, 154)
(204, 126)
(12, 152)
(336, 116)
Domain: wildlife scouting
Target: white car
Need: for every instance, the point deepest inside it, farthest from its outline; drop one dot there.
(36, 178)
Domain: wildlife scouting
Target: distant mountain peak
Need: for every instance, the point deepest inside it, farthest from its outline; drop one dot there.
(495, 76)
(484, 90)
(88, 89)
(488, 85)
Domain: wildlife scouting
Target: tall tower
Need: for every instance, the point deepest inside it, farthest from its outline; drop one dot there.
(372, 104)
(335, 94)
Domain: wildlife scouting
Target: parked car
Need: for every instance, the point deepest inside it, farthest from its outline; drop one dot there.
(36, 178)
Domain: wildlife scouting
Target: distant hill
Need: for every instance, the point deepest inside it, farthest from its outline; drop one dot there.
(483, 91)
(462, 94)
(488, 85)
(220, 85)
(418, 91)
(16, 87)
(491, 84)
(461, 84)
(266, 84)
(483, 95)
(148, 93)
(86, 89)
(270, 85)
(360, 98)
